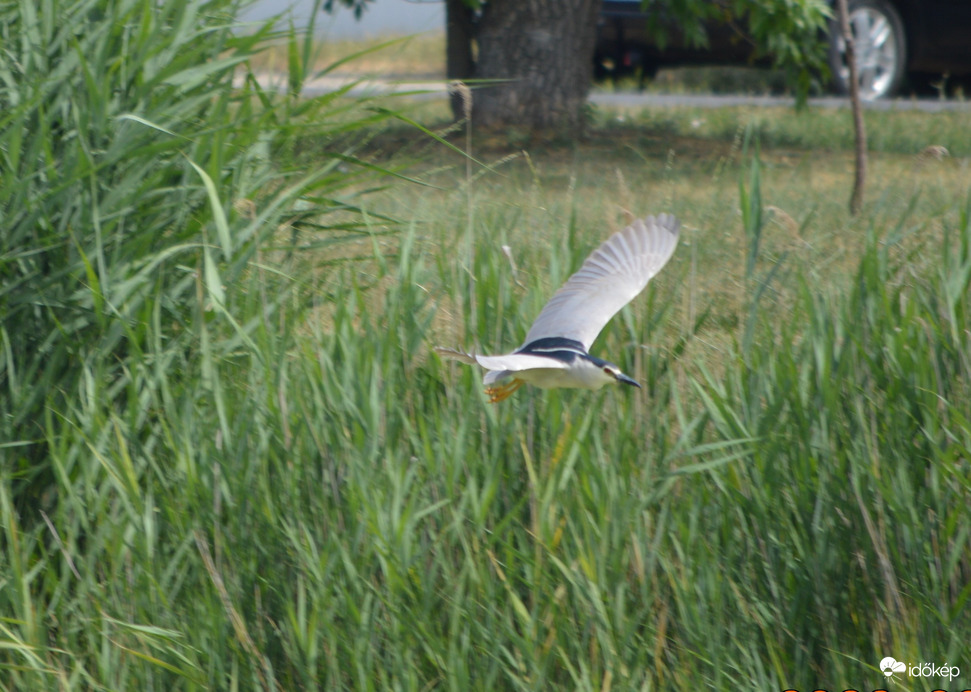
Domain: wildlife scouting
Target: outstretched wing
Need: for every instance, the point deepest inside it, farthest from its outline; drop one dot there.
(609, 279)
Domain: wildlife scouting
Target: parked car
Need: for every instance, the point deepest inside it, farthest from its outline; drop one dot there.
(895, 39)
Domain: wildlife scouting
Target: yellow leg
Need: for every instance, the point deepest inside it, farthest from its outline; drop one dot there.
(503, 391)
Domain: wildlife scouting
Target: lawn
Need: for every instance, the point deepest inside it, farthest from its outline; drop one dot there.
(231, 460)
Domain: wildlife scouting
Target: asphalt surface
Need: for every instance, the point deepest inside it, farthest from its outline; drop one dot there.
(622, 99)
(633, 100)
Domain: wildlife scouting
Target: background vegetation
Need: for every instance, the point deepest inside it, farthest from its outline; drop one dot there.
(230, 461)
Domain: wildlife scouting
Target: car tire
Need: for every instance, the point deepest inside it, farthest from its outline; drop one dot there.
(881, 49)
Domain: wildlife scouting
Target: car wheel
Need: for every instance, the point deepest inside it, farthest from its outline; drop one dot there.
(881, 49)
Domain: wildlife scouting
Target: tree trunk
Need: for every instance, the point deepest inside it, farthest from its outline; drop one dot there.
(542, 51)
(459, 60)
(859, 181)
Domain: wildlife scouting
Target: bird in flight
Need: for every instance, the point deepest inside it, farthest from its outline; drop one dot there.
(555, 353)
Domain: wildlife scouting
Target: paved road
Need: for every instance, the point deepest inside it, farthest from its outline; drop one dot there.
(631, 99)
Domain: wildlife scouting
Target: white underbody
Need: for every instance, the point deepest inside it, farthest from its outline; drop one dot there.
(583, 375)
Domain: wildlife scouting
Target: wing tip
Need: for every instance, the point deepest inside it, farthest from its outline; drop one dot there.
(665, 221)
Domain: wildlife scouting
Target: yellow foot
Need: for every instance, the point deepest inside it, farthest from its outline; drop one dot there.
(503, 391)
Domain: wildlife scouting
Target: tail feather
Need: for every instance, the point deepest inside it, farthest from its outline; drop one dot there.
(453, 354)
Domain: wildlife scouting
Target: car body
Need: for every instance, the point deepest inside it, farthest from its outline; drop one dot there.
(895, 39)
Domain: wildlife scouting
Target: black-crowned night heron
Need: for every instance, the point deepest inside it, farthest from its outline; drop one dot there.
(555, 351)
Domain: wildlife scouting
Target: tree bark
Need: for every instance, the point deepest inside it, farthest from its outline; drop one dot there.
(541, 54)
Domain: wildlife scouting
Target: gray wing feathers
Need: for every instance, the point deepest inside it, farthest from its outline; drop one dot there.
(609, 279)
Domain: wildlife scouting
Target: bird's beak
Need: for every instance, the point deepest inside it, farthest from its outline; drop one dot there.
(621, 377)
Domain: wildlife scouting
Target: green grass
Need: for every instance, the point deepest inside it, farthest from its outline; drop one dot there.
(230, 460)
(888, 132)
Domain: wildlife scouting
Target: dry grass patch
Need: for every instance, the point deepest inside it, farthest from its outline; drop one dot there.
(420, 56)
